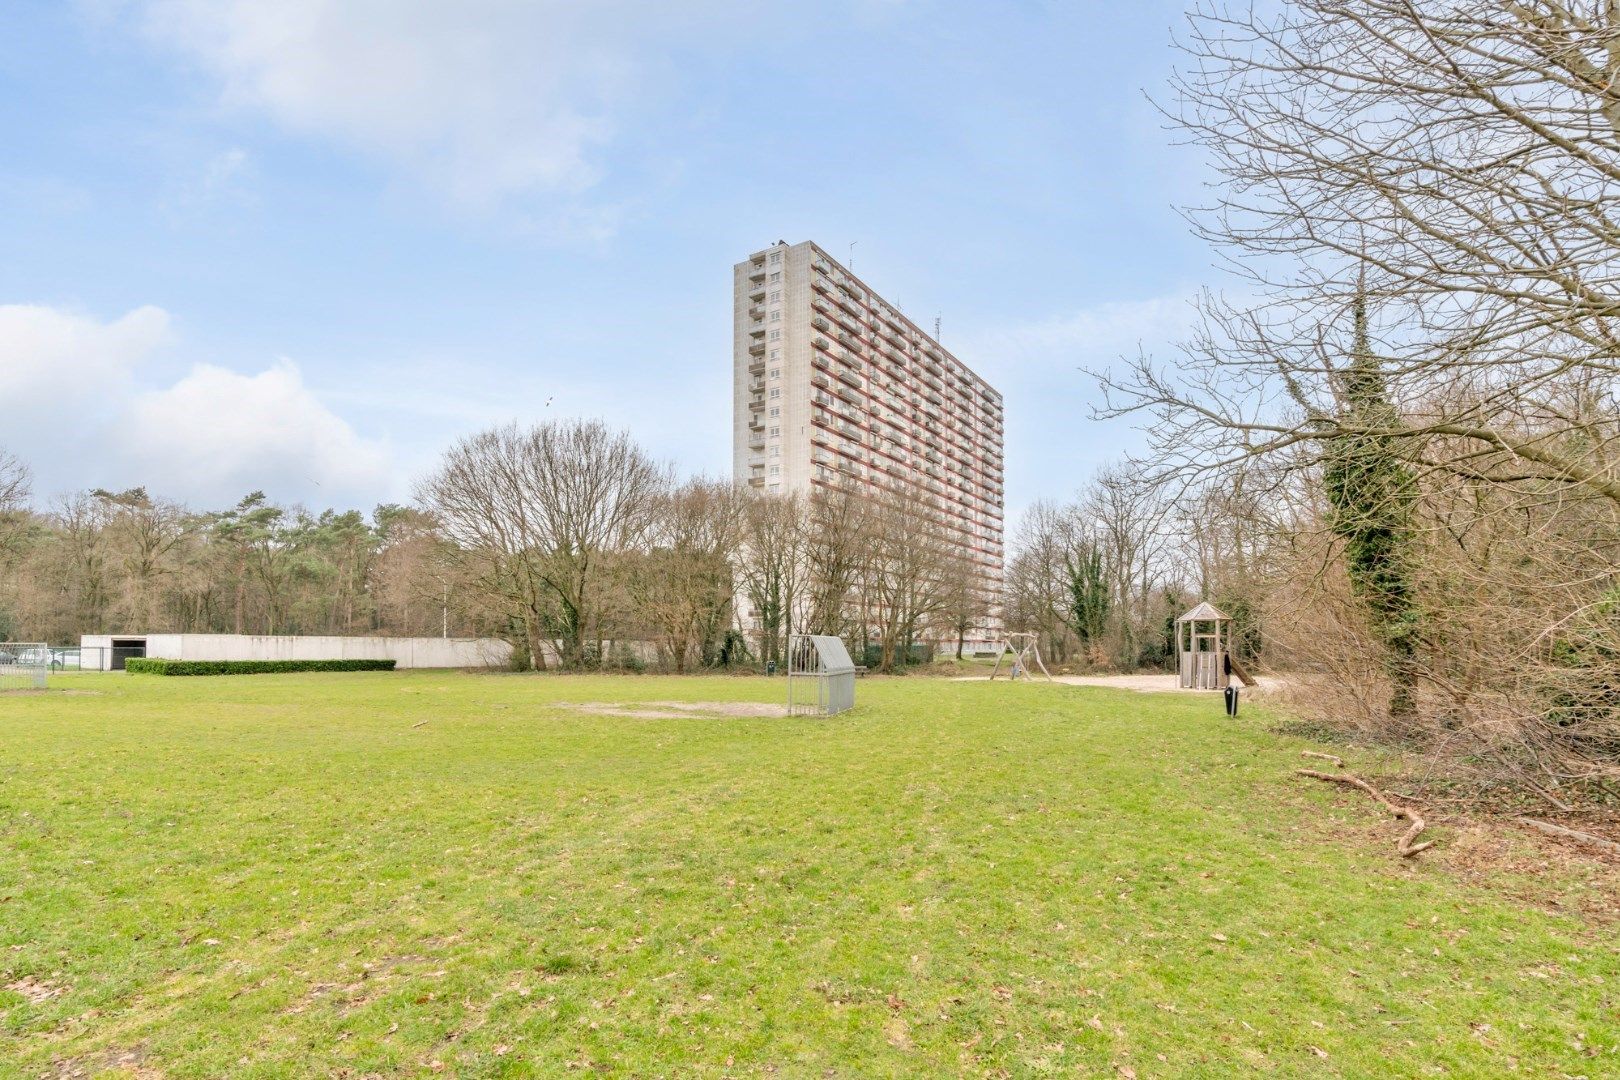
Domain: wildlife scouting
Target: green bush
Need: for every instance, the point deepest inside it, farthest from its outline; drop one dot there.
(919, 653)
(152, 666)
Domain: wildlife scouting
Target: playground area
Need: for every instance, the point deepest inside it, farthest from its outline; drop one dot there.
(518, 875)
(1149, 682)
(1205, 660)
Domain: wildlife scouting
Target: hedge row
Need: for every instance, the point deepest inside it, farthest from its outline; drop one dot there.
(249, 667)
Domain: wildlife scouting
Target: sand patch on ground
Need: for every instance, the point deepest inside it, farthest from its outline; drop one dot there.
(677, 710)
(1150, 683)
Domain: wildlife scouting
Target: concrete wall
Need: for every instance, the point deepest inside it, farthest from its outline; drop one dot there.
(406, 652)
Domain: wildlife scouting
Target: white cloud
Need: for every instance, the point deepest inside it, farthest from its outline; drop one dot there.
(485, 99)
(47, 354)
(78, 407)
(225, 432)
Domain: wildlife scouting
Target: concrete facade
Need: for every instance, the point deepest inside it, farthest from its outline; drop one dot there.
(833, 386)
(405, 652)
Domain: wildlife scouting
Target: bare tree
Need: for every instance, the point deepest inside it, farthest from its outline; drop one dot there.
(14, 492)
(907, 571)
(1036, 588)
(834, 556)
(684, 582)
(534, 514)
(1069, 580)
(1456, 165)
(82, 568)
(1128, 523)
(1104, 573)
(965, 602)
(1419, 203)
(771, 564)
(414, 585)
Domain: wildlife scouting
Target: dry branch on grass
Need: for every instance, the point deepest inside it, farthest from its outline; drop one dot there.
(1571, 834)
(1404, 845)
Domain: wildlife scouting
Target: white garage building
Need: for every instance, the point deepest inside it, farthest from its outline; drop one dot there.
(109, 651)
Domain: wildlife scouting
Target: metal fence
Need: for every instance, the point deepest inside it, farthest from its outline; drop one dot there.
(23, 665)
(74, 658)
(821, 676)
(71, 658)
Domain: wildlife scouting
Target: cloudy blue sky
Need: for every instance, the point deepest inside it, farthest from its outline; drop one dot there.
(303, 245)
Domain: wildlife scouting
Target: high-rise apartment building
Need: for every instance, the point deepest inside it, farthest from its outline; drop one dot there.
(833, 387)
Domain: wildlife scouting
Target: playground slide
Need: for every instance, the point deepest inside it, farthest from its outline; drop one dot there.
(1237, 669)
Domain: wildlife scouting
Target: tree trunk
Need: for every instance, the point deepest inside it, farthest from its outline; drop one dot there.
(534, 642)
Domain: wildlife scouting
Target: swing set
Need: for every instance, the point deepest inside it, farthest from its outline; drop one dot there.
(1026, 650)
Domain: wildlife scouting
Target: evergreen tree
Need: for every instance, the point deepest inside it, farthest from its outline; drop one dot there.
(1370, 493)
(1089, 595)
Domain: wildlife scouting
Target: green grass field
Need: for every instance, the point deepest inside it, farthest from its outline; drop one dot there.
(285, 876)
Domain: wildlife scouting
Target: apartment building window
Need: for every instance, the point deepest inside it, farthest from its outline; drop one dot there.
(776, 354)
(776, 256)
(776, 294)
(776, 470)
(776, 391)
(776, 451)
(776, 335)
(776, 410)
(776, 373)
(775, 277)
(775, 432)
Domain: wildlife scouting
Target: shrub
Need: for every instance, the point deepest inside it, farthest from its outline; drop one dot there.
(153, 666)
(918, 653)
(733, 650)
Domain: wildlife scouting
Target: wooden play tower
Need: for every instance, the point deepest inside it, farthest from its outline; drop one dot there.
(1204, 649)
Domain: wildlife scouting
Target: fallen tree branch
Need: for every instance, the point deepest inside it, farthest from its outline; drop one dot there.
(1404, 845)
(1571, 834)
(1336, 759)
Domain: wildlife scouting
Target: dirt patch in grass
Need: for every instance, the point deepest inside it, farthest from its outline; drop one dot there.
(35, 991)
(112, 1063)
(1542, 871)
(678, 710)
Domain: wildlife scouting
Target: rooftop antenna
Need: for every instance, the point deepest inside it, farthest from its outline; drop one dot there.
(852, 244)
(937, 320)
